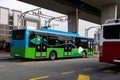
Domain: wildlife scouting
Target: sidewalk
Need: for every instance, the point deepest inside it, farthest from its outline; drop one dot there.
(95, 56)
(4, 55)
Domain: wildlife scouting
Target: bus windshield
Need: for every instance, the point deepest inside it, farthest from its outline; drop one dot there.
(111, 32)
(18, 35)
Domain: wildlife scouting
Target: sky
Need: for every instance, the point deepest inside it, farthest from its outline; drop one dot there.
(63, 26)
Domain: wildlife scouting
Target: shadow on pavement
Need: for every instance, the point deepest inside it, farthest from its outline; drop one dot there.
(112, 69)
(5, 57)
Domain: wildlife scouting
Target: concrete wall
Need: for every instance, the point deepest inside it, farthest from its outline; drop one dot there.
(4, 15)
(73, 22)
(9, 21)
(108, 12)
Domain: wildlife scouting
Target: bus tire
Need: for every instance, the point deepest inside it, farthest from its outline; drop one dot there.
(52, 55)
(84, 54)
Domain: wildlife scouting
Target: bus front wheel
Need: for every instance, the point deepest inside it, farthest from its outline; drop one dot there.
(53, 55)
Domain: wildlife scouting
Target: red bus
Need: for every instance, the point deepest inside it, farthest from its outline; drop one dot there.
(109, 46)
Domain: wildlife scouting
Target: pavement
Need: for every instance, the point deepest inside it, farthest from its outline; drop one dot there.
(95, 56)
(4, 55)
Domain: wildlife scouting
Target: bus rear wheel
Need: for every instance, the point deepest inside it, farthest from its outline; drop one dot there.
(84, 54)
(53, 55)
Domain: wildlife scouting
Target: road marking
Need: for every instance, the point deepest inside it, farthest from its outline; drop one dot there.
(23, 63)
(69, 72)
(57, 60)
(40, 62)
(108, 71)
(39, 78)
(83, 77)
(101, 66)
(28, 61)
(86, 69)
(2, 65)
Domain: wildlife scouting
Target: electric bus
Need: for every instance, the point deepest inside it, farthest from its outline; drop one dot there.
(110, 42)
(49, 44)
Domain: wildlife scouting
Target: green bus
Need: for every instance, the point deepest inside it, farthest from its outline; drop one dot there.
(49, 44)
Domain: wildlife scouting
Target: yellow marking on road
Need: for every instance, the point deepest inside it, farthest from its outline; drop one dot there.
(118, 72)
(2, 65)
(108, 71)
(86, 69)
(40, 62)
(28, 61)
(57, 60)
(39, 78)
(83, 77)
(21, 64)
(101, 66)
(24, 63)
(69, 72)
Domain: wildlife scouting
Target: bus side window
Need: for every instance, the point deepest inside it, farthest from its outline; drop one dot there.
(57, 42)
(32, 35)
(44, 39)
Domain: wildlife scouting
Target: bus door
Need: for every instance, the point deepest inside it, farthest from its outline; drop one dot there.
(41, 48)
(68, 50)
(90, 46)
(36, 41)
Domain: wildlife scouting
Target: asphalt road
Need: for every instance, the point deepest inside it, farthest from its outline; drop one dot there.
(61, 69)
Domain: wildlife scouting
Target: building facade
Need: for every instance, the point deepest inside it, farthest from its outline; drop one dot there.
(9, 20)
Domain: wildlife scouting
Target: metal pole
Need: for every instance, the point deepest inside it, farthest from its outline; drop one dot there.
(86, 30)
(77, 20)
(116, 11)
